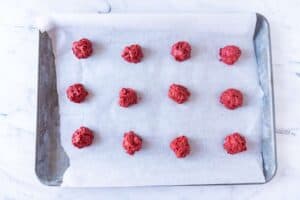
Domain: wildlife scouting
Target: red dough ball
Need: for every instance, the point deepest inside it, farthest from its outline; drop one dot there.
(234, 143)
(127, 97)
(133, 53)
(180, 146)
(82, 137)
(76, 93)
(181, 51)
(230, 54)
(82, 48)
(231, 98)
(132, 142)
(179, 93)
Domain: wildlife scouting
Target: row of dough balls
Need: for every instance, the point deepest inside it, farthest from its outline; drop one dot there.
(230, 98)
(133, 53)
(233, 143)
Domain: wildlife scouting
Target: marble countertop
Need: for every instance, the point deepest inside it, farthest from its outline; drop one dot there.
(18, 78)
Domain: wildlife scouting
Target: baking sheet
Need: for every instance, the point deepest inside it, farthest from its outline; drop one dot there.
(159, 119)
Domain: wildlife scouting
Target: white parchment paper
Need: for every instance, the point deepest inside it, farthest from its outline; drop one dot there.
(156, 118)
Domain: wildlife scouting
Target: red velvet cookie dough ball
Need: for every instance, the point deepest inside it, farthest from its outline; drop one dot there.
(82, 137)
(76, 93)
(133, 53)
(180, 146)
(82, 48)
(181, 51)
(127, 97)
(132, 142)
(230, 54)
(231, 98)
(234, 143)
(179, 93)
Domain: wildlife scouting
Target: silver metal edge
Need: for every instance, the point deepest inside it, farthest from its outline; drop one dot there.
(271, 88)
(49, 162)
(37, 113)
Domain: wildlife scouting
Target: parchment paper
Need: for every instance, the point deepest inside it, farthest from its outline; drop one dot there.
(156, 118)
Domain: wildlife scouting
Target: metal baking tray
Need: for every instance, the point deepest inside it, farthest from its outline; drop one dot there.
(51, 160)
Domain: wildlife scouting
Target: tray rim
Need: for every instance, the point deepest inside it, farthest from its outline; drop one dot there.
(271, 87)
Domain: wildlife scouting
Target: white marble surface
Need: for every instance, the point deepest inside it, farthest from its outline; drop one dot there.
(18, 72)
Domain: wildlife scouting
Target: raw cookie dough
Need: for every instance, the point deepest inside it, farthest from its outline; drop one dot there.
(234, 143)
(76, 93)
(127, 97)
(82, 137)
(230, 54)
(178, 93)
(82, 48)
(133, 53)
(180, 146)
(132, 142)
(231, 98)
(181, 51)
